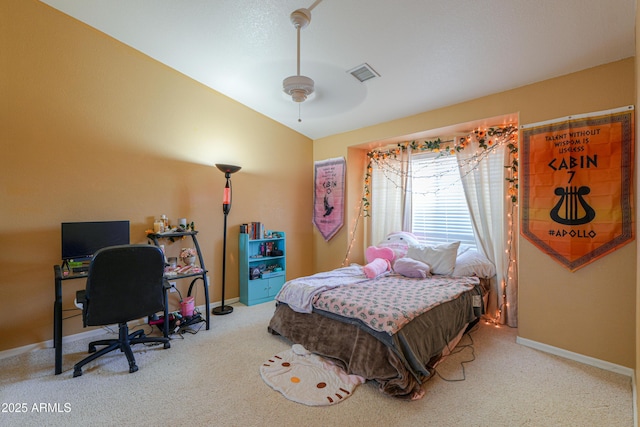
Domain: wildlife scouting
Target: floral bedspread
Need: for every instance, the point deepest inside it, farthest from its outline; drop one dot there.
(300, 293)
(388, 303)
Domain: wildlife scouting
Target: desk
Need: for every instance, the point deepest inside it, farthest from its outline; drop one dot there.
(57, 311)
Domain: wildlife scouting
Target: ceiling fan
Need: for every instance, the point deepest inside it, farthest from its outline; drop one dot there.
(299, 87)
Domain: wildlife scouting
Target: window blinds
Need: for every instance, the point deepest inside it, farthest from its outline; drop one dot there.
(439, 209)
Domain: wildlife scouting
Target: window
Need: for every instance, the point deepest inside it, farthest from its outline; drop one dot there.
(439, 208)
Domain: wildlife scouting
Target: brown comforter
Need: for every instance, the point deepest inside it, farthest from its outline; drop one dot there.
(399, 363)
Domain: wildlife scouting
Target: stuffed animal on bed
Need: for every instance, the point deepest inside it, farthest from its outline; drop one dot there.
(377, 267)
(393, 247)
(382, 257)
(410, 267)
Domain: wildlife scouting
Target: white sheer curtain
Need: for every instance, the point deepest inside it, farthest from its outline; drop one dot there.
(391, 197)
(485, 187)
(483, 176)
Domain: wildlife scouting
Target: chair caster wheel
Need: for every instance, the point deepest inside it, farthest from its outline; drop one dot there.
(133, 368)
(77, 372)
(167, 345)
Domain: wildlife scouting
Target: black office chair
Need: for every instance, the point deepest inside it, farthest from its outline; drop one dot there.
(124, 283)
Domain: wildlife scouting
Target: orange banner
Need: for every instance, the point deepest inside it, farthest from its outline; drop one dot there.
(577, 183)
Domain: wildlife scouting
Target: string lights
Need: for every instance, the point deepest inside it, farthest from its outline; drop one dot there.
(352, 237)
(487, 141)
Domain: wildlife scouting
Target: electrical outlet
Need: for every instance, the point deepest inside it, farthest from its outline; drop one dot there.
(173, 287)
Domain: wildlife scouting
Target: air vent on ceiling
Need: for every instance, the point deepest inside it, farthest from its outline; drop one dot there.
(363, 72)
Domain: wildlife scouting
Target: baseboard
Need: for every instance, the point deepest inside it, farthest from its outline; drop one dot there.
(85, 334)
(608, 366)
(49, 343)
(226, 302)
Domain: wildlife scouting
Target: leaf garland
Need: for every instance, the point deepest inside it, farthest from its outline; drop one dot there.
(488, 140)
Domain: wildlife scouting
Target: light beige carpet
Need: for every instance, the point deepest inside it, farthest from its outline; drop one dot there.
(213, 378)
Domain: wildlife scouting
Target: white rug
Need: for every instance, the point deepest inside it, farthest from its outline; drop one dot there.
(307, 378)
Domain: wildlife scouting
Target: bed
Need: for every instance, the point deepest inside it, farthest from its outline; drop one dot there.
(391, 329)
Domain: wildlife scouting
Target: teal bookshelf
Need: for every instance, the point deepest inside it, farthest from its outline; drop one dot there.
(262, 264)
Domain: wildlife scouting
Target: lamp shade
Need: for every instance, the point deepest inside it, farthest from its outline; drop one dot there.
(228, 169)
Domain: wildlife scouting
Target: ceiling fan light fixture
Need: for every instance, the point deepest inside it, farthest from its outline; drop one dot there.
(298, 87)
(300, 18)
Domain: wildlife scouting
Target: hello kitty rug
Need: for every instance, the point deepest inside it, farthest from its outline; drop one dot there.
(307, 378)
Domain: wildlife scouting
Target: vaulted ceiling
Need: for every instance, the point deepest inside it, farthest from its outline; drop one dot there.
(428, 53)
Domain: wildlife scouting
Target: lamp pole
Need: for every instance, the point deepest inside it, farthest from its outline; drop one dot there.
(226, 208)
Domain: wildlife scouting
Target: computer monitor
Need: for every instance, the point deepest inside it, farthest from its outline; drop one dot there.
(80, 240)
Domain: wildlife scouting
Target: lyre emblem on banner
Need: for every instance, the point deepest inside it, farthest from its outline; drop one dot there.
(572, 214)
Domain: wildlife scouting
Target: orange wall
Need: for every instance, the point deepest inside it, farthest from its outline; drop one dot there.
(93, 130)
(592, 311)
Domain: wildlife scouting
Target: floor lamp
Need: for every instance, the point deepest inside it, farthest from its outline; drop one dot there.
(226, 208)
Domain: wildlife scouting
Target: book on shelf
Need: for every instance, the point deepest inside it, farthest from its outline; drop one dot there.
(254, 229)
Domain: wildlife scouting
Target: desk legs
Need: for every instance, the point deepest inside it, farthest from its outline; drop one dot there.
(166, 312)
(206, 299)
(57, 327)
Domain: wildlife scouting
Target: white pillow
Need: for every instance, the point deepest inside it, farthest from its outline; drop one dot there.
(441, 258)
(463, 248)
(472, 263)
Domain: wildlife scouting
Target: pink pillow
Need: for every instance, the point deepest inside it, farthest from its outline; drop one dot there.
(374, 252)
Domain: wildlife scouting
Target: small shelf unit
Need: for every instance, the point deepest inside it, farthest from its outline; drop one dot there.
(261, 274)
(200, 275)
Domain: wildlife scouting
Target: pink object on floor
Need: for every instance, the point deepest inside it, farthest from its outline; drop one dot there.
(187, 306)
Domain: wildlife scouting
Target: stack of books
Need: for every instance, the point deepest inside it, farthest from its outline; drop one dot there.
(255, 230)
